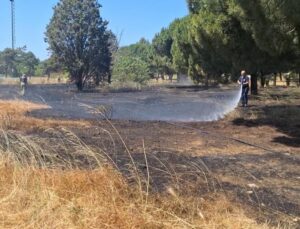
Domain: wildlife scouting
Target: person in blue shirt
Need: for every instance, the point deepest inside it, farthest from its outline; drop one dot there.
(245, 81)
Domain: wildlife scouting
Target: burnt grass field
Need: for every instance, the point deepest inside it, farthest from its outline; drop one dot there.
(251, 157)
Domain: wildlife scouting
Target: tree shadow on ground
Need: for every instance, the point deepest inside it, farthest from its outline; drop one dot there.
(285, 118)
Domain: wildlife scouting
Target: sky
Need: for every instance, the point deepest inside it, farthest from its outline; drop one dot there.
(133, 19)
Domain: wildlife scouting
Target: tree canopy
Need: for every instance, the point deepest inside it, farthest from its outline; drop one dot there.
(15, 62)
(218, 37)
(134, 62)
(226, 36)
(79, 39)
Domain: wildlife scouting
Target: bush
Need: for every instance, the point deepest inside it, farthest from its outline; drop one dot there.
(132, 69)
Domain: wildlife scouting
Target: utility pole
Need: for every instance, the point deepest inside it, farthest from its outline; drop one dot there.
(13, 35)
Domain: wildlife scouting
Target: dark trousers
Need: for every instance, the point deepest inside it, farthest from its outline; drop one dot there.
(245, 91)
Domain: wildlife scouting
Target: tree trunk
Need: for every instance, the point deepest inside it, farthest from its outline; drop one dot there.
(275, 79)
(109, 78)
(254, 90)
(262, 80)
(178, 77)
(299, 79)
(267, 83)
(79, 84)
(280, 76)
(206, 81)
(97, 81)
(288, 81)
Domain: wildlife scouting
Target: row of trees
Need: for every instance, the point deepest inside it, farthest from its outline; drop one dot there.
(133, 63)
(18, 61)
(216, 40)
(15, 62)
(80, 41)
(221, 37)
(140, 62)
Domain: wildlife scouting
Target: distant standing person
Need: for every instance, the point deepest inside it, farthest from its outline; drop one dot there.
(244, 80)
(23, 83)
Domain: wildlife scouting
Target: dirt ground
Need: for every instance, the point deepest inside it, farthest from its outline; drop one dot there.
(252, 159)
(252, 155)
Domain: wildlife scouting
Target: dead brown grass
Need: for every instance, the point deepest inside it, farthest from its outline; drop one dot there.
(34, 196)
(13, 116)
(42, 198)
(35, 80)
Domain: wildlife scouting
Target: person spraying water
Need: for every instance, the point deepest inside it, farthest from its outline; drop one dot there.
(245, 82)
(23, 84)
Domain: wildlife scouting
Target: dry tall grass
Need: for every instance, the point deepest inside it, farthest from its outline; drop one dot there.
(35, 197)
(54, 79)
(39, 189)
(13, 116)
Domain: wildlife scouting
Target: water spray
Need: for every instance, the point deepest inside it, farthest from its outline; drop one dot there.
(163, 104)
(178, 105)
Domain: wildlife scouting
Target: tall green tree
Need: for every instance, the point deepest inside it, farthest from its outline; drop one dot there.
(162, 45)
(27, 63)
(221, 33)
(15, 62)
(8, 61)
(137, 58)
(141, 49)
(274, 30)
(132, 69)
(78, 37)
(181, 48)
(49, 66)
(162, 42)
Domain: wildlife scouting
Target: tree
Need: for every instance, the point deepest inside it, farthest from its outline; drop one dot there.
(129, 68)
(142, 50)
(79, 39)
(162, 43)
(181, 48)
(49, 66)
(113, 48)
(17, 61)
(162, 58)
(209, 38)
(274, 33)
(221, 32)
(8, 61)
(27, 63)
(269, 28)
